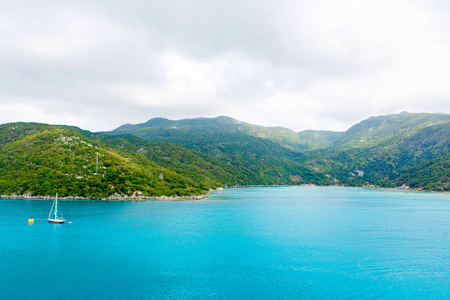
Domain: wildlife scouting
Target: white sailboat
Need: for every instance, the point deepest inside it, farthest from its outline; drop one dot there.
(56, 219)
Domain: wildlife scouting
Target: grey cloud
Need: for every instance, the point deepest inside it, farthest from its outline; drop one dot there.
(277, 31)
(105, 60)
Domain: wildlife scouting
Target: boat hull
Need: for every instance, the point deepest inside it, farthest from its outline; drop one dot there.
(58, 221)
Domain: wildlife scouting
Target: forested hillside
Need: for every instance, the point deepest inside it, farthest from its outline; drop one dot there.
(39, 159)
(409, 150)
(233, 146)
(191, 157)
(382, 129)
(317, 139)
(160, 129)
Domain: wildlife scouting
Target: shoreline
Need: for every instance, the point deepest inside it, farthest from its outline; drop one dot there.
(111, 198)
(399, 188)
(199, 197)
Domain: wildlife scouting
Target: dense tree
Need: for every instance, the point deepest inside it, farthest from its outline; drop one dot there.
(190, 157)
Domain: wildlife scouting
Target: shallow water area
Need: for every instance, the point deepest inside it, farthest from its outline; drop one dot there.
(279, 242)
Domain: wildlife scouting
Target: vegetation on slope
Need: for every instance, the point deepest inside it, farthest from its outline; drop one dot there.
(164, 129)
(171, 156)
(190, 157)
(251, 160)
(417, 156)
(40, 159)
(389, 151)
(317, 139)
(376, 130)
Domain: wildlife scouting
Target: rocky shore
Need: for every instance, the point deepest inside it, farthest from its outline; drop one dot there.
(111, 198)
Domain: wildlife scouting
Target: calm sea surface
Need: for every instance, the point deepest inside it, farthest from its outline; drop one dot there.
(242, 243)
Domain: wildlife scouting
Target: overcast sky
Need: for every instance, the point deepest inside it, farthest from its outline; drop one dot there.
(317, 64)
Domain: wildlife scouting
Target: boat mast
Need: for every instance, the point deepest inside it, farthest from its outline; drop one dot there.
(56, 205)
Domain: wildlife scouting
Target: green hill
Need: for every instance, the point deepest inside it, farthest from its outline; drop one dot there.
(159, 129)
(190, 157)
(317, 139)
(251, 153)
(376, 130)
(38, 159)
(391, 151)
(176, 158)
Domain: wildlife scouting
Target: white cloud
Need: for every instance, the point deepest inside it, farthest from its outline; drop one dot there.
(301, 64)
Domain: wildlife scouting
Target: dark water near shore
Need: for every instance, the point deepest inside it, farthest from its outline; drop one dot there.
(264, 243)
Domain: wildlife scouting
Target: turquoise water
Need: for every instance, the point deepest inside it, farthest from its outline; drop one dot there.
(248, 243)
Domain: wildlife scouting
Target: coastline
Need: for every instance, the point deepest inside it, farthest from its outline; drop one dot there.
(400, 188)
(111, 198)
(198, 197)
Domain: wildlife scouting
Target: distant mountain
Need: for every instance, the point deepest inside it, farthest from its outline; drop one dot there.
(377, 130)
(160, 129)
(392, 150)
(192, 156)
(395, 150)
(317, 139)
(256, 155)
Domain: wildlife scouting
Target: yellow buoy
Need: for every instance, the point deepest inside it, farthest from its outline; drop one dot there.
(30, 220)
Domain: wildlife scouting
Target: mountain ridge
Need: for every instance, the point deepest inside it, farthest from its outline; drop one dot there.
(190, 157)
(337, 154)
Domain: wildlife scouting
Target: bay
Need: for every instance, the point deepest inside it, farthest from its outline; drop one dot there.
(240, 243)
